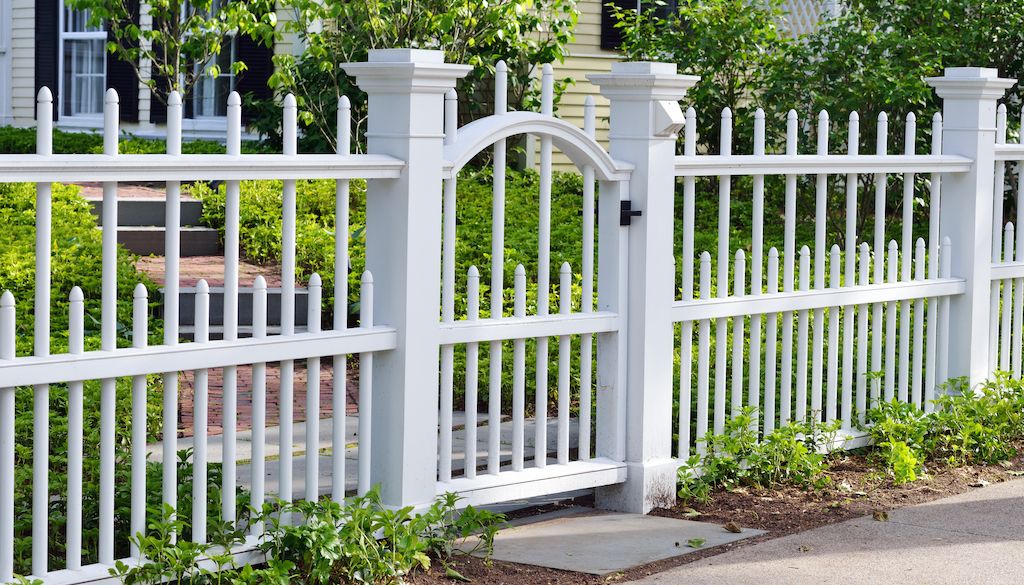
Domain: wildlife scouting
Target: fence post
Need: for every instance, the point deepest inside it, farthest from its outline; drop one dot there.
(969, 95)
(645, 121)
(406, 89)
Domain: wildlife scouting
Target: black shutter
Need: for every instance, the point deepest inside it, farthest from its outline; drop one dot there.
(611, 37)
(157, 108)
(121, 75)
(252, 82)
(47, 46)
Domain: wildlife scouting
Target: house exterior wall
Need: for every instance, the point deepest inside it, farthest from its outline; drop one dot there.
(23, 62)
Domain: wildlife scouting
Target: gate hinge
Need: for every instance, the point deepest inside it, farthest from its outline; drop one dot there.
(627, 213)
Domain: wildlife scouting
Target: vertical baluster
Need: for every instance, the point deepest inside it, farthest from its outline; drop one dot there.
(1018, 284)
(172, 255)
(703, 354)
(108, 387)
(1007, 308)
(941, 370)
(820, 207)
(853, 149)
(41, 392)
(918, 357)
(933, 269)
(232, 196)
(76, 427)
(722, 274)
(200, 417)
(832, 391)
(7, 443)
(801, 343)
(497, 277)
(686, 328)
(564, 352)
(862, 338)
(140, 339)
(756, 281)
(738, 323)
(999, 184)
(890, 325)
(315, 300)
(447, 378)
(543, 271)
(259, 402)
(339, 362)
(472, 366)
(789, 258)
(770, 337)
(286, 401)
(587, 301)
(908, 259)
(519, 378)
(878, 335)
(365, 386)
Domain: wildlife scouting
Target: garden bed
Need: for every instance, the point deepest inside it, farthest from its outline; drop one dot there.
(857, 488)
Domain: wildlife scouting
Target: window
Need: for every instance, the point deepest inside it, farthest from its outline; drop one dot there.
(210, 94)
(83, 64)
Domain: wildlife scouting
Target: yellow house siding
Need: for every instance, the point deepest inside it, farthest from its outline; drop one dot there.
(23, 62)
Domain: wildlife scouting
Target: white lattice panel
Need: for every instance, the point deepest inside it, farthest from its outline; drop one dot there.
(803, 16)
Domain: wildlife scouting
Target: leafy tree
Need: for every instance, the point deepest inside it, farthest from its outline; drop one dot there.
(183, 34)
(731, 44)
(524, 33)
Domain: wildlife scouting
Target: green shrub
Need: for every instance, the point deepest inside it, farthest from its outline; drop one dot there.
(793, 454)
(359, 541)
(23, 141)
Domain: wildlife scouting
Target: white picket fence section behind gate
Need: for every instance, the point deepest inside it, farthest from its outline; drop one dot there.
(795, 334)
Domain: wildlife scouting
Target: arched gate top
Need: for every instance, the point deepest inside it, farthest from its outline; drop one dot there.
(576, 144)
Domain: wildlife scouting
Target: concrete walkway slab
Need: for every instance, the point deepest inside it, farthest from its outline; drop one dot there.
(975, 537)
(589, 541)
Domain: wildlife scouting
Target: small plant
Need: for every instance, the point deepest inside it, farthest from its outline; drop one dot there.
(793, 454)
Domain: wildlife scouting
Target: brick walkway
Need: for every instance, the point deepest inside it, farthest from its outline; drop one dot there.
(186, 414)
(193, 268)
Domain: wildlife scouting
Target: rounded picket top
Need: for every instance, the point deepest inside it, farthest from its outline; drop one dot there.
(823, 116)
(289, 102)
(937, 118)
(548, 70)
(759, 114)
(773, 252)
(883, 117)
(44, 96)
(792, 116)
(111, 97)
(805, 251)
(705, 256)
(473, 272)
(7, 299)
(588, 102)
(141, 292)
(726, 113)
(740, 254)
(451, 94)
(315, 281)
(174, 98)
(260, 283)
(344, 103)
(367, 277)
(854, 116)
(691, 113)
(77, 296)
(911, 118)
(566, 269)
(501, 67)
(202, 287)
(234, 99)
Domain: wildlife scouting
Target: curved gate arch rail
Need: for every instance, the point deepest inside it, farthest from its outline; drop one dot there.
(486, 462)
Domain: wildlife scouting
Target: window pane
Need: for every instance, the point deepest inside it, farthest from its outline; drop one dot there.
(211, 93)
(78, 21)
(84, 76)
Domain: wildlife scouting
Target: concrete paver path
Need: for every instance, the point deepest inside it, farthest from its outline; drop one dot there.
(975, 537)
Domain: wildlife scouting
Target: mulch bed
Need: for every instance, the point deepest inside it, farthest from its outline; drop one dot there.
(856, 489)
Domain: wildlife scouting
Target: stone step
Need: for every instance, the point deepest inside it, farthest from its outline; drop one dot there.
(149, 240)
(148, 211)
(186, 308)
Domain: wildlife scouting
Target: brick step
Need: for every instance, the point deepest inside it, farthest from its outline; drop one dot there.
(186, 308)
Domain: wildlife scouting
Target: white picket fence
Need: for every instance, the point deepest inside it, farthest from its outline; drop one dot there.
(796, 333)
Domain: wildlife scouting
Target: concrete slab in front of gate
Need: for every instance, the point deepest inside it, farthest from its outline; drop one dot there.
(597, 542)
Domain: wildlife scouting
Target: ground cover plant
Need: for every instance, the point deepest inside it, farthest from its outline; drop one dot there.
(23, 141)
(318, 542)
